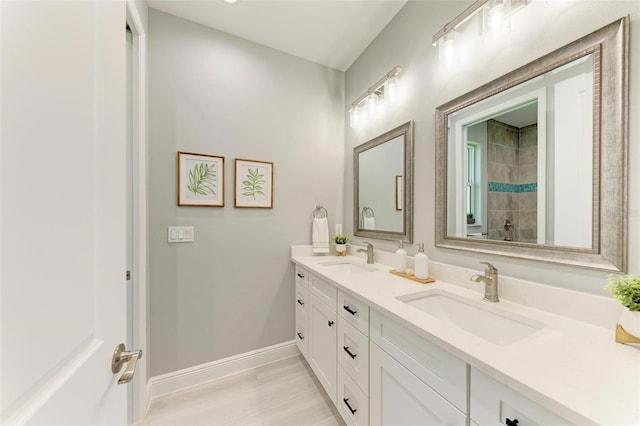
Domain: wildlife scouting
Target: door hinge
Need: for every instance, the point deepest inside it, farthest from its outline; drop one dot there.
(128, 275)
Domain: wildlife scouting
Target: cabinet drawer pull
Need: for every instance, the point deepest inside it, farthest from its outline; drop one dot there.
(352, 355)
(300, 302)
(348, 309)
(300, 275)
(330, 323)
(346, 402)
(513, 422)
(300, 336)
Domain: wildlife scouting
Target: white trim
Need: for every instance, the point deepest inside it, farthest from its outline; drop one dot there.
(140, 386)
(199, 374)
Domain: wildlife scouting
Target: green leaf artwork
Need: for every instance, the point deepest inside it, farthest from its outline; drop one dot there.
(202, 179)
(252, 185)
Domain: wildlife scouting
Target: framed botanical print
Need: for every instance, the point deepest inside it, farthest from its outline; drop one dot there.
(200, 180)
(253, 184)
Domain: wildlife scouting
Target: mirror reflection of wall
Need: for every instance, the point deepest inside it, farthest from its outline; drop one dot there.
(378, 169)
(383, 186)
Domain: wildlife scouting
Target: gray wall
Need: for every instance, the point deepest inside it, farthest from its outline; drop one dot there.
(231, 291)
(539, 28)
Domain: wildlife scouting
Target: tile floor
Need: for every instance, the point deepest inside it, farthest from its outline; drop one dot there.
(283, 393)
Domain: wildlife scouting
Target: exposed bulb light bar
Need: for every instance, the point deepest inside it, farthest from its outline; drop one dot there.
(384, 91)
(496, 17)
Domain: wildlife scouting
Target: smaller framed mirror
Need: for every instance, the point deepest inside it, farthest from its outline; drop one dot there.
(383, 186)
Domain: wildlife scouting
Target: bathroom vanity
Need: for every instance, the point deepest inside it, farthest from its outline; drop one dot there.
(391, 351)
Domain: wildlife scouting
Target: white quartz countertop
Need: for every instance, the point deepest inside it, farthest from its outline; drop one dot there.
(570, 367)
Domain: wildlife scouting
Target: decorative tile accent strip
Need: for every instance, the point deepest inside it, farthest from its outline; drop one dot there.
(513, 187)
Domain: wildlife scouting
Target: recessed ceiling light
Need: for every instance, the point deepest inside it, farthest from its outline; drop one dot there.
(230, 1)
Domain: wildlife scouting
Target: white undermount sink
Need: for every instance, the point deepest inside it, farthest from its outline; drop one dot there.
(479, 317)
(347, 266)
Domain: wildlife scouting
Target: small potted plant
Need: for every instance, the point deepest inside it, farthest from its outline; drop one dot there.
(626, 290)
(341, 244)
(470, 219)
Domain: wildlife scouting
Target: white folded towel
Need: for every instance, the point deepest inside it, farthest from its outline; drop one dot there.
(320, 235)
(369, 223)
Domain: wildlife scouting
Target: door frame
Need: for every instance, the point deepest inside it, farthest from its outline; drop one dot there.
(138, 392)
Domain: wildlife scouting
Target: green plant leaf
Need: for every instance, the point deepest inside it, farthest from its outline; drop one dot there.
(625, 289)
(202, 179)
(252, 183)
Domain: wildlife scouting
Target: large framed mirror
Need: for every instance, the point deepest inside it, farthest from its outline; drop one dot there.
(534, 163)
(383, 186)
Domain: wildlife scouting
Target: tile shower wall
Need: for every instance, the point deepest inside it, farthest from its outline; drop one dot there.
(527, 231)
(512, 177)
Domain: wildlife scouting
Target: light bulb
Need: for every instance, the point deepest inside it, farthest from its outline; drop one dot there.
(448, 51)
(372, 105)
(496, 14)
(497, 17)
(392, 90)
(354, 117)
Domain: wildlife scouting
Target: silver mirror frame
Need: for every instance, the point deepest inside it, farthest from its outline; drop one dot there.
(407, 233)
(610, 47)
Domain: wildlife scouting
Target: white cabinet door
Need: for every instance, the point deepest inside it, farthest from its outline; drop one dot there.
(397, 397)
(63, 306)
(322, 344)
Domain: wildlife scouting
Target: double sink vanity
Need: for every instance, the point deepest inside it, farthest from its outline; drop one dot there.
(391, 351)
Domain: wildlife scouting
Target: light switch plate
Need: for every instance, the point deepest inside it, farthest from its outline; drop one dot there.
(180, 234)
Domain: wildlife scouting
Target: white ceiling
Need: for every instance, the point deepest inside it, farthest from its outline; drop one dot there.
(520, 117)
(328, 32)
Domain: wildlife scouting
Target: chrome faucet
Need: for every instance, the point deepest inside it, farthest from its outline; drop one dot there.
(368, 250)
(490, 280)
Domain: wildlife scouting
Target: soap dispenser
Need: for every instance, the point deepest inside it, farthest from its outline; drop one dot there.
(421, 263)
(400, 259)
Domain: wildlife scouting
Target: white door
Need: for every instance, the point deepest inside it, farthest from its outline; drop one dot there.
(398, 397)
(62, 217)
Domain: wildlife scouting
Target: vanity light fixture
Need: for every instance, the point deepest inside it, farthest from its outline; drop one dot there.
(385, 91)
(496, 19)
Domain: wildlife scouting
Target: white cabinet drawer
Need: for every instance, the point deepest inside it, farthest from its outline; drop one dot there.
(355, 311)
(353, 354)
(352, 404)
(302, 296)
(445, 373)
(302, 335)
(302, 276)
(323, 291)
(493, 403)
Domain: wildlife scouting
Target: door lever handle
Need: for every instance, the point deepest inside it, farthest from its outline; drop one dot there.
(120, 356)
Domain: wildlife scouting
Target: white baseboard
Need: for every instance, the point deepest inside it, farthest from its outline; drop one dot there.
(199, 374)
